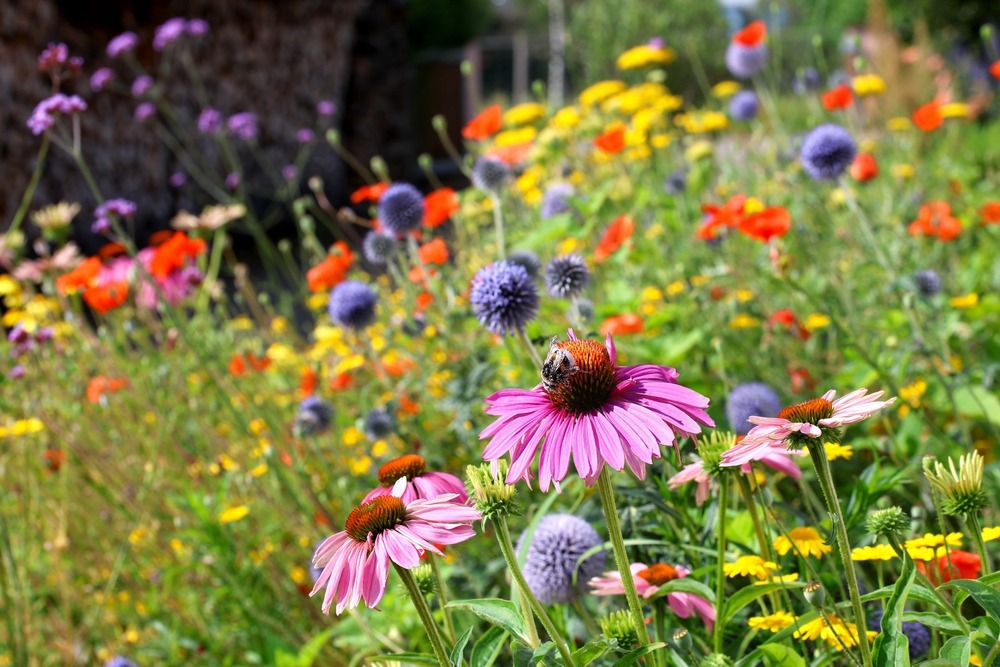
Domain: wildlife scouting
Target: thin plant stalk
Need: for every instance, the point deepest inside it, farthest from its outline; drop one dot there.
(529, 619)
(720, 562)
(972, 519)
(449, 626)
(498, 226)
(425, 615)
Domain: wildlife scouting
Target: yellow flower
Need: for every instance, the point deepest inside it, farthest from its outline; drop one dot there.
(835, 450)
(955, 110)
(522, 114)
(899, 124)
(360, 466)
(318, 301)
(698, 150)
(725, 89)
(258, 470)
(675, 288)
(868, 84)
(645, 55)
(566, 118)
(231, 514)
(991, 533)
(568, 245)
(966, 301)
(521, 135)
(912, 393)
(702, 122)
(932, 540)
(55, 216)
(743, 295)
(742, 321)
(874, 552)
(903, 171)
(241, 323)
(9, 286)
(600, 91)
(806, 541)
(660, 140)
(750, 566)
(835, 633)
(352, 435)
(775, 622)
(652, 294)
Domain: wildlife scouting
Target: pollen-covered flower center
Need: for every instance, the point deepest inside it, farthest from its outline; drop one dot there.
(808, 412)
(658, 574)
(589, 386)
(375, 516)
(407, 465)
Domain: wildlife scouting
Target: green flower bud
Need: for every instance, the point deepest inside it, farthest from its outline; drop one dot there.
(424, 576)
(962, 488)
(711, 449)
(333, 137)
(490, 494)
(716, 660)
(814, 593)
(618, 625)
(681, 640)
(439, 123)
(425, 161)
(887, 522)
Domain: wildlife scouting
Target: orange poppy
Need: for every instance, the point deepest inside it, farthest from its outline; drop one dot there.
(785, 318)
(399, 367)
(54, 458)
(765, 225)
(935, 219)
(173, 253)
(439, 205)
(162, 236)
(434, 252)
(928, 117)
(257, 363)
(801, 379)
(510, 155)
(485, 125)
(838, 98)
(237, 366)
(100, 385)
(964, 565)
(341, 381)
(618, 325)
(332, 270)
(991, 212)
(80, 277)
(611, 140)
(109, 250)
(424, 300)
(614, 236)
(995, 69)
(105, 298)
(370, 193)
(728, 215)
(406, 406)
(864, 168)
(752, 35)
(307, 383)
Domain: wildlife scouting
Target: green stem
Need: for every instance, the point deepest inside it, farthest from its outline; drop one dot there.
(588, 620)
(720, 562)
(529, 619)
(29, 193)
(449, 626)
(758, 527)
(425, 615)
(498, 226)
(822, 465)
(977, 536)
(607, 494)
(522, 337)
(992, 654)
(926, 583)
(507, 548)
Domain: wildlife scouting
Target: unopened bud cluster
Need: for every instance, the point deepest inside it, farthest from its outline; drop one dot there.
(490, 493)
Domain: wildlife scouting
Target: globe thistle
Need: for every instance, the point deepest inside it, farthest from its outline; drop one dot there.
(928, 283)
(744, 105)
(312, 418)
(746, 61)
(751, 399)
(555, 548)
(827, 151)
(962, 487)
(379, 424)
(555, 200)
(676, 183)
(887, 522)
(504, 297)
(401, 209)
(352, 304)
(120, 661)
(490, 175)
(379, 248)
(566, 276)
(618, 626)
(490, 493)
(528, 260)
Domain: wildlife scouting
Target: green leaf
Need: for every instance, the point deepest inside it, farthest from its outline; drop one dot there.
(939, 622)
(459, 649)
(310, 651)
(546, 655)
(748, 594)
(593, 650)
(957, 649)
(685, 585)
(407, 659)
(978, 401)
(779, 655)
(891, 647)
(633, 657)
(988, 598)
(917, 592)
(282, 659)
(501, 613)
(487, 649)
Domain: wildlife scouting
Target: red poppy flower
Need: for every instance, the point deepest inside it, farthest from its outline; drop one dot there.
(785, 318)
(341, 381)
(964, 565)
(434, 252)
(156, 238)
(765, 225)
(728, 215)
(105, 298)
(485, 125)
(424, 300)
(80, 277)
(864, 168)
(370, 193)
(614, 236)
(801, 379)
(332, 270)
(618, 325)
(838, 98)
(752, 35)
(935, 219)
(307, 383)
(109, 250)
(995, 69)
(611, 141)
(100, 385)
(174, 253)
(439, 205)
(991, 212)
(928, 117)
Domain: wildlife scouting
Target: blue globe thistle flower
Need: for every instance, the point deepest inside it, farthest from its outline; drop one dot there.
(352, 304)
(566, 276)
(827, 151)
(401, 209)
(313, 417)
(119, 661)
(556, 546)
(490, 175)
(744, 105)
(748, 400)
(806, 81)
(746, 61)
(555, 200)
(928, 283)
(379, 248)
(528, 260)
(379, 423)
(676, 182)
(504, 297)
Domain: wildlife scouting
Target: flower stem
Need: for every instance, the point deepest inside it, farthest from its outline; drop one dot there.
(498, 226)
(977, 536)
(522, 337)
(425, 615)
(449, 626)
(720, 561)
(607, 494)
(29, 193)
(507, 548)
(822, 465)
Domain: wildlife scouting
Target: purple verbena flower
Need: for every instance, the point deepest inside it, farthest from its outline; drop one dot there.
(209, 121)
(145, 111)
(100, 78)
(123, 43)
(142, 85)
(233, 180)
(197, 27)
(243, 125)
(178, 179)
(289, 172)
(304, 135)
(326, 108)
(168, 33)
(52, 57)
(44, 115)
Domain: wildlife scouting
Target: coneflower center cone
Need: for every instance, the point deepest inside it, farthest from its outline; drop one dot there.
(375, 516)
(658, 574)
(808, 412)
(591, 385)
(407, 465)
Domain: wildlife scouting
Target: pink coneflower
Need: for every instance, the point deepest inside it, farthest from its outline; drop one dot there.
(647, 583)
(420, 485)
(799, 423)
(777, 457)
(593, 409)
(355, 561)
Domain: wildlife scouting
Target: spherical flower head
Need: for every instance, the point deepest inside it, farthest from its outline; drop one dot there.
(716, 660)
(197, 27)
(352, 305)
(490, 175)
(490, 494)
(379, 423)
(123, 43)
(676, 183)
(528, 260)
(401, 209)
(243, 125)
(748, 400)
(379, 248)
(593, 412)
(419, 483)
(827, 151)
(100, 78)
(889, 521)
(928, 283)
(504, 298)
(120, 661)
(168, 33)
(313, 417)
(744, 62)
(209, 121)
(566, 276)
(807, 80)
(744, 105)
(556, 546)
(304, 135)
(326, 108)
(555, 200)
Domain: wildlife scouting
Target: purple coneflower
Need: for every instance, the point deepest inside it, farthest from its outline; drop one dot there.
(648, 580)
(420, 485)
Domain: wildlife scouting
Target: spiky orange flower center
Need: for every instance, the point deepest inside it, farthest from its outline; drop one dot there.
(375, 516)
(659, 574)
(407, 465)
(808, 412)
(590, 386)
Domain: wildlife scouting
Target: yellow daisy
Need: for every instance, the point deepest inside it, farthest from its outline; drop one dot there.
(806, 540)
(991, 533)
(750, 566)
(873, 552)
(775, 622)
(836, 450)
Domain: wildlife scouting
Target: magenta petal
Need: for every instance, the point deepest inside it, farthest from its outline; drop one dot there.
(402, 552)
(609, 441)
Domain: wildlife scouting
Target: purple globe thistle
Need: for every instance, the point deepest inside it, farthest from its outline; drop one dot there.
(401, 209)
(490, 175)
(243, 125)
(379, 248)
(326, 108)
(748, 400)
(101, 78)
(312, 418)
(928, 283)
(566, 276)
(744, 105)
(145, 111)
(528, 260)
(209, 121)
(123, 43)
(746, 61)
(168, 33)
(379, 423)
(676, 182)
(504, 297)
(827, 151)
(352, 305)
(119, 661)
(197, 27)
(142, 85)
(555, 548)
(304, 135)
(555, 200)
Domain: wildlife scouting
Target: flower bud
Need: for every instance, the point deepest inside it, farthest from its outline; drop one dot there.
(618, 625)
(890, 521)
(681, 640)
(490, 494)
(815, 594)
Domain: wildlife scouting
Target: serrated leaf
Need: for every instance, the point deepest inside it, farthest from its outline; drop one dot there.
(892, 647)
(407, 659)
(988, 598)
(499, 612)
(459, 649)
(487, 648)
(779, 655)
(633, 657)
